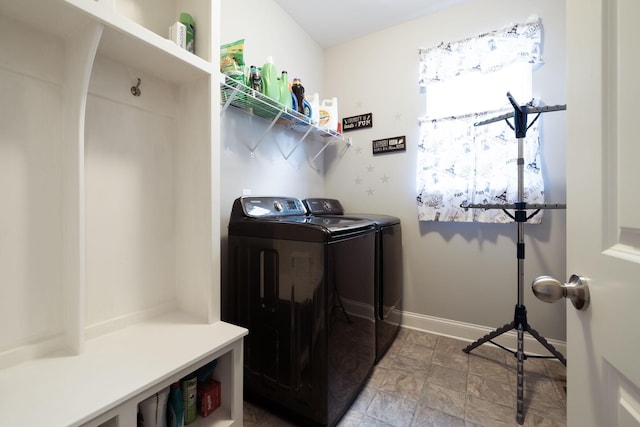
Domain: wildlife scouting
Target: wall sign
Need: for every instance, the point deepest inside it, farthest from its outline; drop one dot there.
(357, 122)
(387, 145)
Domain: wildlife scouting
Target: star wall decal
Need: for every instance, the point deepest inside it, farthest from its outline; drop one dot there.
(370, 191)
(370, 169)
(358, 180)
(384, 179)
(358, 150)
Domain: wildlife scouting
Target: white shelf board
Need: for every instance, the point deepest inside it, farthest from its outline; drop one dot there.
(130, 43)
(71, 390)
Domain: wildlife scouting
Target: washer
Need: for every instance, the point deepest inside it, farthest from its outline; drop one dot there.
(301, 286)
(388, 268)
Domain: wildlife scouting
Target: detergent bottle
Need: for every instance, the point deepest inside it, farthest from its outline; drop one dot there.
(270, 83)
(285, 92)
(312, 110)
(329, 114)
(298, 91)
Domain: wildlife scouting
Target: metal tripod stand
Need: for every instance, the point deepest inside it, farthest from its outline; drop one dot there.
(519, 322)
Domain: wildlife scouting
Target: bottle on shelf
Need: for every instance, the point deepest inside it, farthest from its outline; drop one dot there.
(255, 78)
(270, 84)
(298, 91)
(285, 92)
(188, 22)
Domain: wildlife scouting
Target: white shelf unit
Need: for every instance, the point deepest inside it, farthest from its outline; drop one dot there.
(111, 266)
(235, 94)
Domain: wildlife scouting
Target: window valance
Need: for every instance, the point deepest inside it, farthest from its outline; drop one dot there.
(485, 53)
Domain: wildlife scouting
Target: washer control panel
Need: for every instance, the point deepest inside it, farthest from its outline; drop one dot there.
(324, 206)
(264, 207)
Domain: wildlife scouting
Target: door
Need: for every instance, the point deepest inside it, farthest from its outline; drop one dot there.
(603, 211)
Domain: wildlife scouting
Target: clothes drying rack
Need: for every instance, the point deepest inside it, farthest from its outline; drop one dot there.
(519, 323)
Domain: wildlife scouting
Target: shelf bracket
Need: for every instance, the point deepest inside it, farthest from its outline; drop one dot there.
(232, 96)
(267, 130)
(286, 157)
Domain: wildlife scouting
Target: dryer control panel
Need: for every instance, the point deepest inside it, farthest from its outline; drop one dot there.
(265, 207)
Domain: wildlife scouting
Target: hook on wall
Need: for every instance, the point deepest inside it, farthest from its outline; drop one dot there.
(135, 90)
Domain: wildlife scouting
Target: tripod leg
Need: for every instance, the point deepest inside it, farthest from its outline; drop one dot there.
(546, 344)
(520, 375)
(490, 336)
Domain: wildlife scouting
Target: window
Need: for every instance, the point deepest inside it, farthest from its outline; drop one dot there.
(459, 163)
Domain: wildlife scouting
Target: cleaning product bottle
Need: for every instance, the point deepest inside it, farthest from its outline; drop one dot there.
(313, 112)
(270, 84)
(188, 22)
(175, 412)
(285, 92)
(329, 114)
(298, 91)
(255, 78)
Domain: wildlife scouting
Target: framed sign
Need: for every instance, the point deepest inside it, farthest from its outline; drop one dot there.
(387, 145)
(357, 122)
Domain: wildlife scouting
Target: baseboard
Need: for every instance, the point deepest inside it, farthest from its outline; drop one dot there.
(470, 332)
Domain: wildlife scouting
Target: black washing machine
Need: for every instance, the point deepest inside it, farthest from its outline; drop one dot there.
(301, 286)
(388, 268)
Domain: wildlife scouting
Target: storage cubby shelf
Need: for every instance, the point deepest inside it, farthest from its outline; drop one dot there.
(127, 365)
(240, 96)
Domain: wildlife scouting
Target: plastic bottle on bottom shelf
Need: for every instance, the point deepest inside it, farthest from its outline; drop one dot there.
(153, 410)
(270, 84)
(189, 394)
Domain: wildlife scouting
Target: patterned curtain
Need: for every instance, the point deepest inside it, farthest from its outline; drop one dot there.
(459, 163)
(484, 54)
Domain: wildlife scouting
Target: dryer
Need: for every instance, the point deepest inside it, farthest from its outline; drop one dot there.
(388, 279)
(301, 286)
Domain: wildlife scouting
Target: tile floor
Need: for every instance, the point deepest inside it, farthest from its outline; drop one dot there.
(427, 380)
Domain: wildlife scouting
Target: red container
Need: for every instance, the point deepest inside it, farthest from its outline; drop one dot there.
(208, 397)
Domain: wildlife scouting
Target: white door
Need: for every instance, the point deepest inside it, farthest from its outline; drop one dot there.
(603, 211)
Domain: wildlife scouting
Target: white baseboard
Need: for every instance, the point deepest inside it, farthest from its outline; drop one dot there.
(470, 332)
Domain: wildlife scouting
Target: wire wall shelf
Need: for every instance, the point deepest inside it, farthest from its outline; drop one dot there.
(237, 95)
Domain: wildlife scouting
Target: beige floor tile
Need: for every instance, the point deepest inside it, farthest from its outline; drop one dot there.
(487, 413)
(489, 368)
(426, 416)
(416, 351)
(405, 384)
(391, 409)
(457, 360)
(453, 379)
(422, 338)
(451, 345)
(445, 400)
(492, 390)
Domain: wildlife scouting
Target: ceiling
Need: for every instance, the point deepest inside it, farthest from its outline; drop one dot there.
(333, 22)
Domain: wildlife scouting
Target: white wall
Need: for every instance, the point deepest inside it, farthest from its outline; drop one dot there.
(31, 190)
(462, 272)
